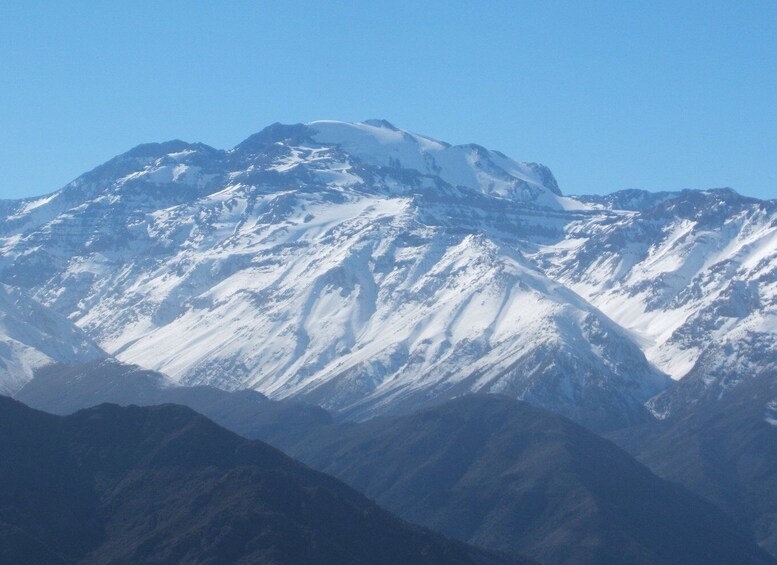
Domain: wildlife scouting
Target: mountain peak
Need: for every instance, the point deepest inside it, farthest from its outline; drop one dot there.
(380, 123)
(275, 133)
(158, 149)
(380, 143)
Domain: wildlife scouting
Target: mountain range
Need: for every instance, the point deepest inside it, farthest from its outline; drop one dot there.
(166, 485)
(438, 326)
(370, 270)
(723, 449)
(485, 469)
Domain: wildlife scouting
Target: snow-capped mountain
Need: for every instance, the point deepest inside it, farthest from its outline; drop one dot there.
(370, 269)
(32, 336)
(692, 274)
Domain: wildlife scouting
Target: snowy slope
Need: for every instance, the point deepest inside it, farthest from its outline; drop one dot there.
(370, 270)
(379, 143)
(693, 275)
(32, 336)
(353, 303)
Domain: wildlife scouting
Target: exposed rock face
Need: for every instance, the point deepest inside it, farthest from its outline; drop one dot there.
(371, 270)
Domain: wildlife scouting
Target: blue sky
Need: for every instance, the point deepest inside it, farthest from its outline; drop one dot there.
(609, 95)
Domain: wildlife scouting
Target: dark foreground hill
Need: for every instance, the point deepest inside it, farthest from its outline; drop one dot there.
(502, 474)
(64, 389)
(724, 449)
(166, 485)
(488, 470)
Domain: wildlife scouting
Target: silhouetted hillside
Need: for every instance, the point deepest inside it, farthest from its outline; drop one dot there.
(484, 469)
(723, 449)
(502, 474)
(166, 485)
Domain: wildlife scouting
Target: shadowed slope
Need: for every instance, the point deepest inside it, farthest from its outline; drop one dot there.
(505, 475)
(166, 485)
(724, 449)
(484, 469)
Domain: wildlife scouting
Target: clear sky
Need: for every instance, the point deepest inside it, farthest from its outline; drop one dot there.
(610, 95)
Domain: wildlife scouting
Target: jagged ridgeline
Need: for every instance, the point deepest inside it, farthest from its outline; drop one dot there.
(372, 270)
